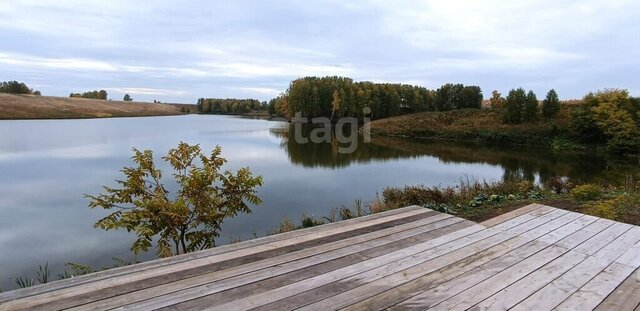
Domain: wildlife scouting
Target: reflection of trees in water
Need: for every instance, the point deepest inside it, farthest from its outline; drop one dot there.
(326, 154)
(518, 163)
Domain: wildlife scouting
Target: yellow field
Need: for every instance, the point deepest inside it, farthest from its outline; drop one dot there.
(47, 107)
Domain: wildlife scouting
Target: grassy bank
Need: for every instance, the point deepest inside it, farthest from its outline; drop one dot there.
(479, 201)
(18, 107)
(477, 125)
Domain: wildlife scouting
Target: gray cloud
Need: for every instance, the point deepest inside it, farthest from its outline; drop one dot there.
(181, 51)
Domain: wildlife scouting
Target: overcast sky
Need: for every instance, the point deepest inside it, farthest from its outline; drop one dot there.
(179, 51)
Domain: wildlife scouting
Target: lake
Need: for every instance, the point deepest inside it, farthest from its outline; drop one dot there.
(46, 167)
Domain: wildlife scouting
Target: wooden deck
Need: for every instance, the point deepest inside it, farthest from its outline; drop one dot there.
(534, 258)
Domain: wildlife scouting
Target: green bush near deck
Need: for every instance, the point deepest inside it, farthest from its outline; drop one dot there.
(587, 192)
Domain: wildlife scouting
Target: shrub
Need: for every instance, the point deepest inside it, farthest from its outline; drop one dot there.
(497, 101)
(378, 205)
(308, 222)
(624, 206)
(605, 209)
(416, 195)
(286, 225)
(586, 192)
(191, 218)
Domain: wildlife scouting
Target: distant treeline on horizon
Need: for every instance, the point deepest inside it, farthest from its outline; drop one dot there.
(230, 105)
(102, 94)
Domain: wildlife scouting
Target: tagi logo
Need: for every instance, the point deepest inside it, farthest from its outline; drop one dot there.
(344, 130)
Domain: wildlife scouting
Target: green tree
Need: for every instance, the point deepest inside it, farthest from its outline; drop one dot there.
(583, 127)
(282, 106)
(199, 104)
(514, 106)
(471, 97)
(102, 94)
(189, 220)
(442, 97)
(614, 114)
(550, 105)
(619, 127)
(608, 116)
(531, 107)
(14, 87)
(127, 98)
(271, 107)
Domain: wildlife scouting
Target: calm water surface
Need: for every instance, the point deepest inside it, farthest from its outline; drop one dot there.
(46, 167)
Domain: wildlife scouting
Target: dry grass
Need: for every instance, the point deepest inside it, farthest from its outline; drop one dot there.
(48, 107)
(483, 125)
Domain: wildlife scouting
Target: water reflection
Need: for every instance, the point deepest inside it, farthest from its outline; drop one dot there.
(535, 164)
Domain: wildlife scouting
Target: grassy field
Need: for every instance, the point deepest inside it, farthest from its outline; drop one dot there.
(479, 125)
(48, 107)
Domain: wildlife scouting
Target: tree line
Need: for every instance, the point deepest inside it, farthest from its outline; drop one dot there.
(229, 105)
(522, 106)
(610, 117)
(335, 97)
(15, 87)
(95, 94)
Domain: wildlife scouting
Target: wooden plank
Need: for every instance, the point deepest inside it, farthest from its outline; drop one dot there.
(135, 280)
(355, 248)
(374, 275)
(486, 288)
(510, 215)
(399, 259)
(526, 217)
(520, 290)
(483, 283)
(495, 256)
(632, 256)
(523, 219)
(626, 297)
(597, 289)
(215, 266)
(470, 256)
(39, 289)
(537, 258)
(240, 292)
(495, 270)
(621, 245)
(586, 234)
(564, 286)
(332, 296)
(468, 298)
(604, 239)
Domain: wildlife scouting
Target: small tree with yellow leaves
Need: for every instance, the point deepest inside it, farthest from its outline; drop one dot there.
(191, 219)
